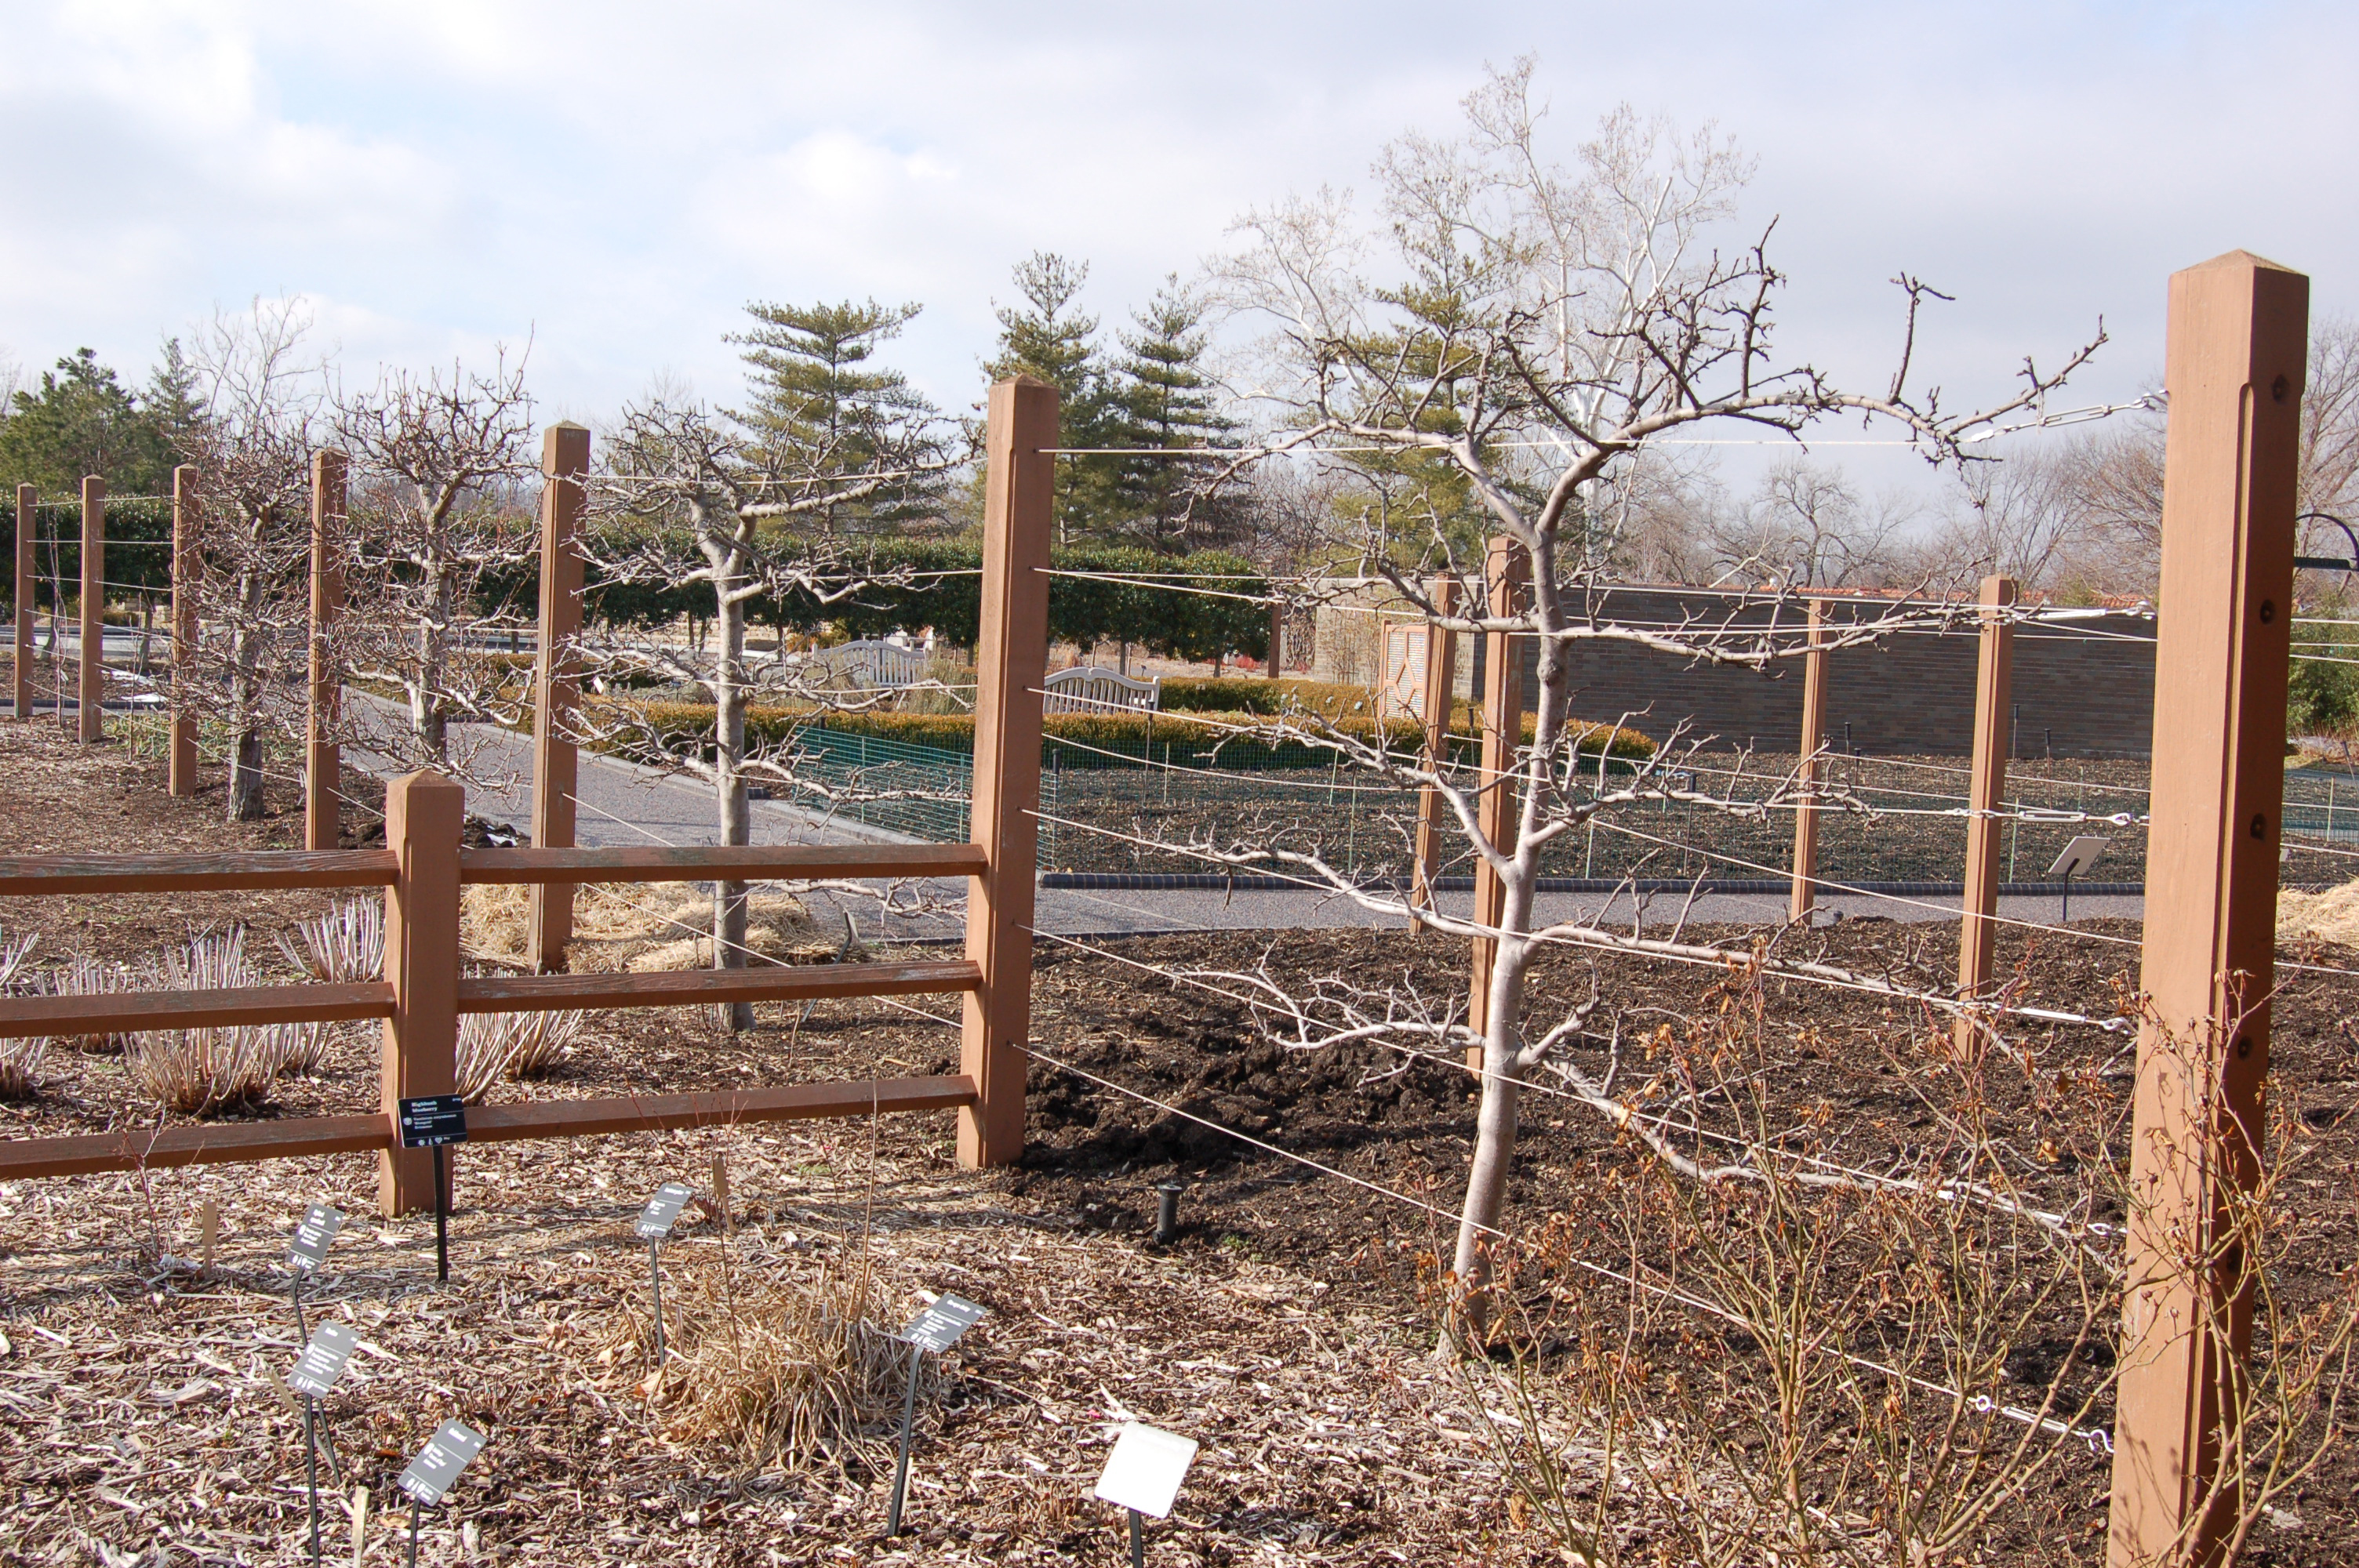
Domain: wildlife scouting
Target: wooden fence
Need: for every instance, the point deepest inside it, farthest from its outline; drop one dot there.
(424, 990)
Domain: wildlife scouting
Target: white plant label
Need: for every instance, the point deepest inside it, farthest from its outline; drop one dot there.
(1145, 1468)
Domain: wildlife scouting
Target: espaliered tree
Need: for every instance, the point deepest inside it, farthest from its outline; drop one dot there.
(437, 461)
(261, 400)
(732, 510)
(1540, 324)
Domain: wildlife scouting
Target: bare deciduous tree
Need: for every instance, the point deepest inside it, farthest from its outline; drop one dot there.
(693, 498)
(261, 398)
(1543, 323)
(436, 463)
(1806, 526)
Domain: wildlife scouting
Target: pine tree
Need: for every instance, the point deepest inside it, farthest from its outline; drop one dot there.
(82, 420)
(823, 408)
(1053, 342)
(1165, 400)
(175, 404)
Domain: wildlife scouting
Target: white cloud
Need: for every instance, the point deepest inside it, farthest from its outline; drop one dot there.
(620, 178)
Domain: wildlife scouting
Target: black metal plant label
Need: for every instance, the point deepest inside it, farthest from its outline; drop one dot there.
(432, 1120)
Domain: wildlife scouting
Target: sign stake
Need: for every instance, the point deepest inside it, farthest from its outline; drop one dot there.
(312, 1470)
(314, 1234)
(436, 1470)
(935, 1329)
(901, 1464)
(1142, 1476)
(654, 1288)
(430, 1121)
(441, 1218)
(655, 1222)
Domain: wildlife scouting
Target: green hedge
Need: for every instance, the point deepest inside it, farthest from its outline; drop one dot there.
(1205, 737)
(942, 591)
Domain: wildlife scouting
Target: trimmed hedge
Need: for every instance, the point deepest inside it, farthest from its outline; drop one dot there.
(1207, 736)
(944, 591)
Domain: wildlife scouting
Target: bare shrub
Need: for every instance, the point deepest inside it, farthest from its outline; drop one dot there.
(20, 1067)
(1786, 1356)
(84, 976)
(497, 1046)
(12, 958)
(344, 945)
(197, 1072)
(20, 1059)
(791, 1373)
(214, 961)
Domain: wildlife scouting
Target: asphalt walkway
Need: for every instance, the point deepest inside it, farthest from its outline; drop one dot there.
(623, 804)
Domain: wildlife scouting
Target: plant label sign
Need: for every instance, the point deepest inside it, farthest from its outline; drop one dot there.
(656, 1220)
(939, 1327)
(313, 1237)
(436, 1468)
(322, 1361)
(432, 1120)
(2079, 856)
(1144, 1472)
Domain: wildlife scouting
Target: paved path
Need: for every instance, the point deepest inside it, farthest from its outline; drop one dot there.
(621, 804)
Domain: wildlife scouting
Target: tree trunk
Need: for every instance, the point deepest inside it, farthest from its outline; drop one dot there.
(244, 802)
(429, 720)
(1505, 1068)
(729, 783)
(1495, 1118)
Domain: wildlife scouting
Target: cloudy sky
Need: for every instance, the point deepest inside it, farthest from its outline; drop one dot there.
(617, 180)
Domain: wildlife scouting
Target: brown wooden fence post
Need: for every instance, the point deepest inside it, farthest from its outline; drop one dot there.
(1441, 672)
(323, 758)
(26, 498)
(1994, 678)
(181, 770)
(2233, 365)
(1806, 771)
(1011, 658)
(423, 815)
(557, 685)
(1508, 571)
(90, 694)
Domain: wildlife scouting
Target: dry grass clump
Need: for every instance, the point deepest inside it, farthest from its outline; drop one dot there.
(346, 944)
(2331, 915)
(497, 1046)
(637, 927)
(788, 1373)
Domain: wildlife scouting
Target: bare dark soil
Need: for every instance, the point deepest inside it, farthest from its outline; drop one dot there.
(1287, 1328)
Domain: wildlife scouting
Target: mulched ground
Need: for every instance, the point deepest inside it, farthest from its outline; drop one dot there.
(1285, 1328)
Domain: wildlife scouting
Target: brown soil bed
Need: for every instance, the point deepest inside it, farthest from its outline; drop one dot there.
(1287, 1328)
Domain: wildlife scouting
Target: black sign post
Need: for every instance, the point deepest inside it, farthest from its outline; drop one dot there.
(313, 1236)
(430, 1122)
(436, 1470)
(935, 1329)
(655, 1222)
(315, 1374)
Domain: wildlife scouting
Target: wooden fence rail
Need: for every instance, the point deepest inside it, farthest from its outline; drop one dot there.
(427, 855)
(425, 989)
